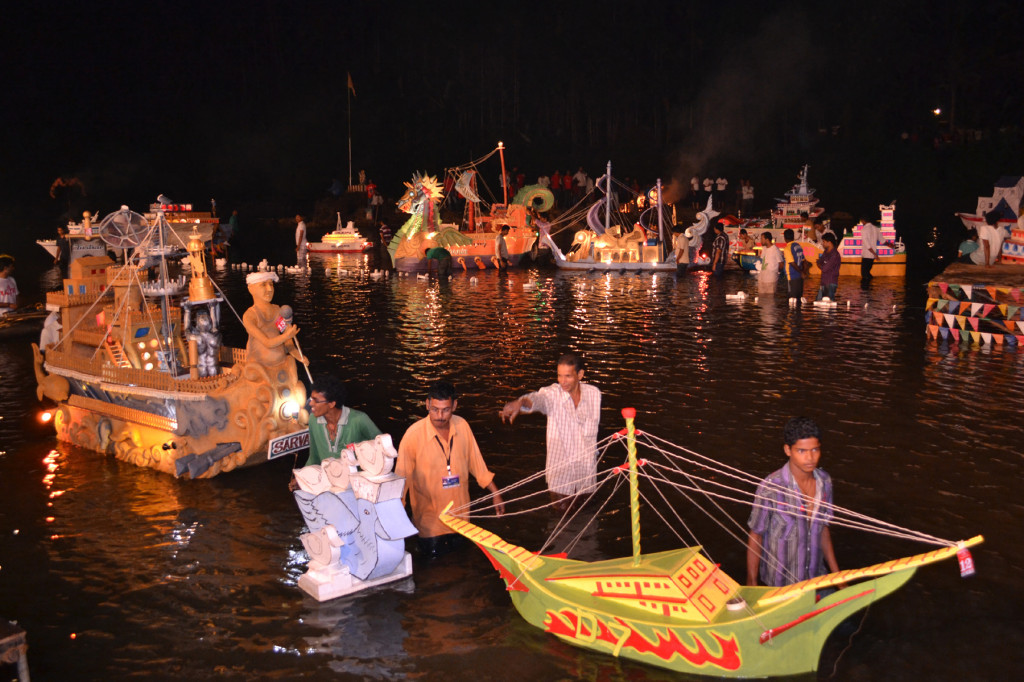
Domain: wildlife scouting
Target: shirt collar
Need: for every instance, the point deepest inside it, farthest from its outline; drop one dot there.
(342, 420)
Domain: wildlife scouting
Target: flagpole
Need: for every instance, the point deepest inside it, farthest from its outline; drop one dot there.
(348, 96)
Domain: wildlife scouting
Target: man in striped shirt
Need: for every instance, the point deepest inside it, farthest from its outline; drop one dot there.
(789, 538)
(573, 409)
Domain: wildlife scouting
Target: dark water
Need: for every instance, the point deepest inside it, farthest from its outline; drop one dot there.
(119, 572)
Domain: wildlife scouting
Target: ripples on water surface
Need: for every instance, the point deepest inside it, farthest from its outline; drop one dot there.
(122, 572)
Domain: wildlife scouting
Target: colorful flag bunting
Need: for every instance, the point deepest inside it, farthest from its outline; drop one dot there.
(967, 291)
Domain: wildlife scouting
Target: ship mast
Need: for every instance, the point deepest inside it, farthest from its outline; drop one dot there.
(608, 197)
(504, 178)
(661, 228)
(634, 494)
(168, 339)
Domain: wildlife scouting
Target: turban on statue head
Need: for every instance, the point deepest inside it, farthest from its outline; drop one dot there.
(256, 277)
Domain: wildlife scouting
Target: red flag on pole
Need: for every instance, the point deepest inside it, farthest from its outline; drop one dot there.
(350, 86)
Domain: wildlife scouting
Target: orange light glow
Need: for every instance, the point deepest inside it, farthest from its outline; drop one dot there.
(45, 416)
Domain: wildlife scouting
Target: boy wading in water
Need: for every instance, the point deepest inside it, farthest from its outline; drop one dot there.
(789, 539)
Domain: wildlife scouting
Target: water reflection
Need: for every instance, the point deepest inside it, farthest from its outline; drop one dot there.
(196, 580)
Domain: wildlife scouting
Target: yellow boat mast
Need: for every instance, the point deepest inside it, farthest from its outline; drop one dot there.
(629, 413)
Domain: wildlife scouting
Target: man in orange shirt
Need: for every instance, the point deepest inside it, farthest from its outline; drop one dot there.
(436, 457)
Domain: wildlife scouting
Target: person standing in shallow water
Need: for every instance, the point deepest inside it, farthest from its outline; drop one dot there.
(501, 249)
(436, 457)
(573, 409)
(828, 262)
(301, 243)
(789, 539)
(333, 424)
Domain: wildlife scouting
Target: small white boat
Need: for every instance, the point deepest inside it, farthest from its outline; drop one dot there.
(343, 240)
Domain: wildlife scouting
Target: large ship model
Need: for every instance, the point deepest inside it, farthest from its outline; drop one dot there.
(139, 371)
(83, 236)
(473, 247)
(799, 201)
(616, 240)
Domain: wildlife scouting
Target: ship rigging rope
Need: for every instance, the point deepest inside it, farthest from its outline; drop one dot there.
(658, 474)
(855, 520)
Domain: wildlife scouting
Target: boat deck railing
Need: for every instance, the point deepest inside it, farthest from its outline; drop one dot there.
(63, 362)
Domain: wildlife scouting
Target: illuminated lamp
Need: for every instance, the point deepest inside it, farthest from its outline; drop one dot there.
(146, 356)
(289, 409)
(148, 366)
(46, 416)
(142, 344)
(154, 343)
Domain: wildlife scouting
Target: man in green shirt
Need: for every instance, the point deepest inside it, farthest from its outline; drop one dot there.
(333, 425)
(444, 261)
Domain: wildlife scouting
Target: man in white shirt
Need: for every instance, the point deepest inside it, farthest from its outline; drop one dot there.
(991, 237)
(869, 236)
(573, 409)
(771, 261)
(300, 239)
(8, 287)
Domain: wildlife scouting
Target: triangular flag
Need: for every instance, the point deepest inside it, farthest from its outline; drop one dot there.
(998, 338)
(987, 309)
(945, 332)
(1002, 309)
(931, 303)
(1010, 311)
(1019, 337)
(930, 331)
(955, 333)
(943, 286)
(1003, 290)
(976, 336)
(949, 320)
(927, 316)
(1015, 293)
(1020, 323)
(974, 322)
(975, 307)
(992, 292)
(967, 291)
(986, 337)
(964, 307)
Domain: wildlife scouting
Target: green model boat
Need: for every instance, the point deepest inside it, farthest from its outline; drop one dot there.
(678, 610)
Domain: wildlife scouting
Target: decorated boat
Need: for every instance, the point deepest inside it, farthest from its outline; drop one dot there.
(138, 369)
(342, 240)
(471, 245)
(1007, 201)
(800, 200)
(892, 253)
(615, 240)
(22, 321)
(678, 609)
(180, 220)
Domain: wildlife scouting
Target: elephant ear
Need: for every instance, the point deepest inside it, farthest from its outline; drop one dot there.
(392, 521)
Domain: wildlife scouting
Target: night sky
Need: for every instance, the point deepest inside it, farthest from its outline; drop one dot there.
(246, 102)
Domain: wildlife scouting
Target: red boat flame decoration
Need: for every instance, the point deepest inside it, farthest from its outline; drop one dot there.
(567, 623)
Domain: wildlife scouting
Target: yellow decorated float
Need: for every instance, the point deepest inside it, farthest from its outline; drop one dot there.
(138, 369)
